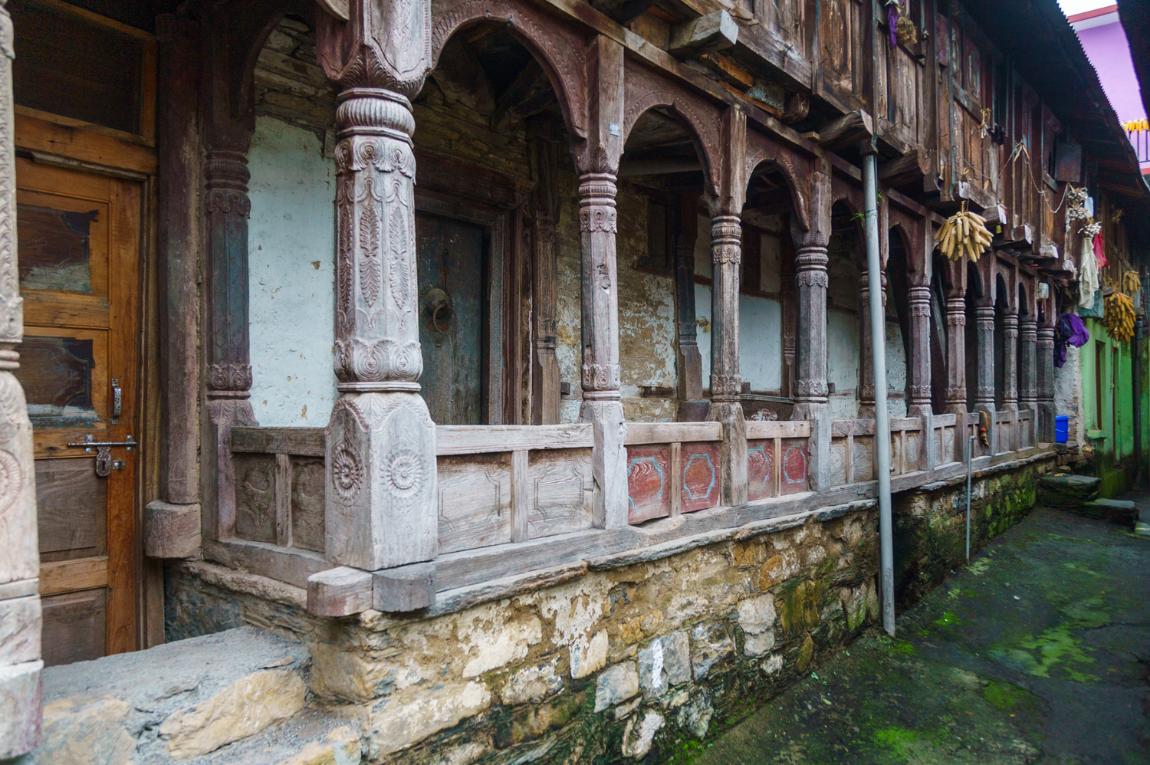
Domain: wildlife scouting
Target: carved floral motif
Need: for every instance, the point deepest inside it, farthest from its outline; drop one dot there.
(601, 376)
(726, 385)
(230, 377)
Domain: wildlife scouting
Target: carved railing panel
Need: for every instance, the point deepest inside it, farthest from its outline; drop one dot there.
(279, 485)
(777, 459)
(672, 468)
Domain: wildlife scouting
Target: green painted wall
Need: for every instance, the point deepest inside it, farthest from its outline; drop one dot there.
(1109, 407)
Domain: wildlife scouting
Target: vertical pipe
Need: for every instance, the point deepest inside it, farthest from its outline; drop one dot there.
(882, 418)
(969, 482)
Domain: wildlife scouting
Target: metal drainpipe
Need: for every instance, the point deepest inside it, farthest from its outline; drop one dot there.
(881, 416)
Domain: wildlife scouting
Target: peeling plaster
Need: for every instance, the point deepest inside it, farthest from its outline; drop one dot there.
(291, 253)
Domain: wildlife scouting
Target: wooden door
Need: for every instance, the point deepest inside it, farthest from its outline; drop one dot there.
(78, 245)
(451, 317)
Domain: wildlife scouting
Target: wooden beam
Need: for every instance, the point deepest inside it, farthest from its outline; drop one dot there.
(706, 34)
(848, 129)
(910, 168)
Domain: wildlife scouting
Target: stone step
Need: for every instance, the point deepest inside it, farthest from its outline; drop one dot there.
(1067, 491)
(1120, 511)
(235, 696)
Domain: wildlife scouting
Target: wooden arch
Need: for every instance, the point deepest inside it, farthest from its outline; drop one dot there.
(762, 151)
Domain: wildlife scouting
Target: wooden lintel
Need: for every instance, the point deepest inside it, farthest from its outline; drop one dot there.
(623, 11)
(850, 128)
(910, 168)
(706, 34)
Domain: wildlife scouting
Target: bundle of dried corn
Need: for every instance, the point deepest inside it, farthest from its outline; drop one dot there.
(1119, 316)
(964, 235)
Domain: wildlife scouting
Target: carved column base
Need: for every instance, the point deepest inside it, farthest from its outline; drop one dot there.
(608, 462)
(381, 481)
(733, 450)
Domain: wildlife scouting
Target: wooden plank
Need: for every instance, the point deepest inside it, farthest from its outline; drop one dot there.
(781, 429)
(290, 565)
(283, 500)
(649, 481)
(560, 492)
(844, 428)
(72, 506)
(519, 496)
(71, 575)
(945, 420)
(339, 591)
(40, 135)
(74, 627)
(700, 476)
(486, 439)
(706, 34)
(905, 423)
(676, 485)
(308, 504)
(474, 501)
(306, 442)
(640, 433)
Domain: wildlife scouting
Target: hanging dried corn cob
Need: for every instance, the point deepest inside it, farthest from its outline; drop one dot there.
(1131, 282)
(1119, 317)
(964, 235)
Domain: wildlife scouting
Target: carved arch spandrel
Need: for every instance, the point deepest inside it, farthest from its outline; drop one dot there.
(909, 229)
(761, 150)
(645, 89)
(561, 51)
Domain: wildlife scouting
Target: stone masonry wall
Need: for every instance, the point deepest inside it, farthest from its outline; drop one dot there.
(619, 663)
(930, 523)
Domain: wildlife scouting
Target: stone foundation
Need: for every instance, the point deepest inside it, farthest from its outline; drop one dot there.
(930, 523)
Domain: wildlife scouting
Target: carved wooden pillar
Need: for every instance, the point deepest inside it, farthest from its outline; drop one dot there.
(919, 361)
(381, 469)
(545, 216)
(1028, 374)
(726, 383)
(229, 363)
(811, 283)
(956, 351)
(20, 617)
(984, 326)
(866, 363)
(788, 301)
(1010, 361)
(1044, 362)
(690, 361)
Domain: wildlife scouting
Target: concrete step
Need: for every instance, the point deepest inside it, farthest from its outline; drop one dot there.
(235, 696)
(1067, 491)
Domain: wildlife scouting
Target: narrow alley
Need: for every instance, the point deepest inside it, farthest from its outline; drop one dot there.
(1035, 653)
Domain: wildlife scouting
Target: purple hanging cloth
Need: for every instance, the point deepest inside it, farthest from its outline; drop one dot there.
(892, 21)
(1071, 331)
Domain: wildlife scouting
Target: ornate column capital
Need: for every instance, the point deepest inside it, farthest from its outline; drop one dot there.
(379, 44)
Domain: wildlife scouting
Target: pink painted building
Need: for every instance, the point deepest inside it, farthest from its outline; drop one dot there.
(1105, 43)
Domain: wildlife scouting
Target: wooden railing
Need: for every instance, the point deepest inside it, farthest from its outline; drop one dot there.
(778, 459)
(672, 468)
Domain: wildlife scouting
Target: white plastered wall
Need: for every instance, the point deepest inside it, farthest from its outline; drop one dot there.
(291, 252)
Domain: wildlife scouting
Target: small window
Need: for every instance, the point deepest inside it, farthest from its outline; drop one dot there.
(74, 64)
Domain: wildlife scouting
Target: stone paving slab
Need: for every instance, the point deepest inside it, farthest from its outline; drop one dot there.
(1038, 652)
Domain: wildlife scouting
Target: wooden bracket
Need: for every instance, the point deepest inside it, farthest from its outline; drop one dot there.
(706, 34)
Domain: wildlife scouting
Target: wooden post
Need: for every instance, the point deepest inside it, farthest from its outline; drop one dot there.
(690, 361)
(1045, 376)
(381, 469)
(919, 362)
(598, 165)
(1028, 382)
(984, 390)
(544, 148)
(1010, 360)
(956, 351)
(20, 664)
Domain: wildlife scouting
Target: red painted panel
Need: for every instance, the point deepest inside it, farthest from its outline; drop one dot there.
(700, 476)
(648, 482)
(760, 469)
(794, 464)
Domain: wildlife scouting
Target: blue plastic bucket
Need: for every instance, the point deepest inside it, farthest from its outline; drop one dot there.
(1061, 429)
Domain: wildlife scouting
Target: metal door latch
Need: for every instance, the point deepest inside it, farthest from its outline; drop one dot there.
(117, 397)
(103, 450)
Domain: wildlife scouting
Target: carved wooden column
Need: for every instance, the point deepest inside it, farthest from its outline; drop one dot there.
(919, 361)
(811, 283)
(1028, 374)
(788, 303)
(984, 327)
(20, 617)
(228, 353)
(956, 351)
(597, 161)
(1044, 362)
(545, 216)
(381, 469)
(726, 383)
(866, 364)
(690, 361)
(1010, 361)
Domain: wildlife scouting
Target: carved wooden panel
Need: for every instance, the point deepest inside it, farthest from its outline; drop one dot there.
(307, 503)
(256, 497)
(794, 466)
(74, 626)
(896, 454)
(838, 462)
(71, 510)
(904, 88)
(474, 501)
(862, 457)
(914, 454)
(761, 465)
(700, 477)
(559, 492)
(648, 482)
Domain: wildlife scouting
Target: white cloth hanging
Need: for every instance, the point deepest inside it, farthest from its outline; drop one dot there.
(1087, 276)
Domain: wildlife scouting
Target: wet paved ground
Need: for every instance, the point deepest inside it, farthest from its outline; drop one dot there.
(1038, 652)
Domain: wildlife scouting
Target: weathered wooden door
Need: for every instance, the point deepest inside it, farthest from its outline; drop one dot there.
(451, 317)
(78, 246)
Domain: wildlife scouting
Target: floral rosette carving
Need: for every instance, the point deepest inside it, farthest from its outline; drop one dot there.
(404, 470)
(601, 377)
(726, 385)
(346, 472)
(811, 388)
(233, 377)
